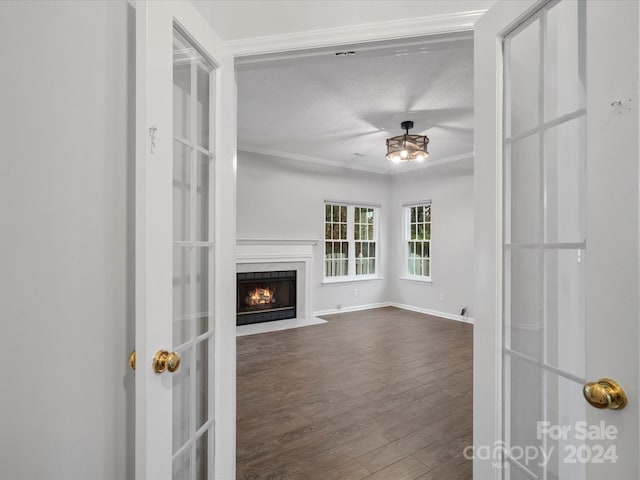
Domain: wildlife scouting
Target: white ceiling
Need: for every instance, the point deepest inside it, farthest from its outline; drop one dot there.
(316, 106)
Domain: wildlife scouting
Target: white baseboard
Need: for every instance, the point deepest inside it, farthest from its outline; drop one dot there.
(426, 311)
(355, 308)
(435, 313)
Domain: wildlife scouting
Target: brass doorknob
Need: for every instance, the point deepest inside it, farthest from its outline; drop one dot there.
(605, 393)
(132, 360)
(164, 360)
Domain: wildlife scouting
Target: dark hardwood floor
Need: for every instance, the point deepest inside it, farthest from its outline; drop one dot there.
(383, 394)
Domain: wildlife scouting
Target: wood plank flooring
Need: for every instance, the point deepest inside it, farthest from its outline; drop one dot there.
(383, 394)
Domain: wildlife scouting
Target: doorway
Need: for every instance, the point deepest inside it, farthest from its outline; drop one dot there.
(285, 194)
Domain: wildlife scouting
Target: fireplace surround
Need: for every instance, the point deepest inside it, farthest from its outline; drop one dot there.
(273, 255)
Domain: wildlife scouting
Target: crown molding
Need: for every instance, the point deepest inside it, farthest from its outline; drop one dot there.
(392, 169)
(368, 32)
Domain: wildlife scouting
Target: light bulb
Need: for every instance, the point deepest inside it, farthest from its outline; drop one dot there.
(404, 154)
(395, 159)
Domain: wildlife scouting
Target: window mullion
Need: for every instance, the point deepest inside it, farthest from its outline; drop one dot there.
(406, 218)
(351, 270)
(376, 241)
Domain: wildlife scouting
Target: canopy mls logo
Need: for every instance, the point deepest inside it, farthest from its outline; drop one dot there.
(500, 451)
(557, 444)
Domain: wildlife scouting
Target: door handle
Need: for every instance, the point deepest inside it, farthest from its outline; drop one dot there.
(164, 360)
(605, 393)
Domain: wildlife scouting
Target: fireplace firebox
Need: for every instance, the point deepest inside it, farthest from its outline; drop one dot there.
(265, 296)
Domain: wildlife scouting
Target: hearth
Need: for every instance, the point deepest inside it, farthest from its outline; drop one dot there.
(265, 296)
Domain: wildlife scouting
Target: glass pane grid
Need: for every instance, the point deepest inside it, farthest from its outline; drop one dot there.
(192, 307)
(351, 245)
(336, 243)
(565, 310)
(525, 191)
(544, 230)
(365, 244)
(523, 70)
(182, 383)
(565, 182)
(564, 59)
(365, 258)
(419, 244)
(193, 87)
(181, 191)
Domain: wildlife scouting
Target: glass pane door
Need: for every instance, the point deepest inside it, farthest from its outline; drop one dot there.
(193, 91)
(544, 249)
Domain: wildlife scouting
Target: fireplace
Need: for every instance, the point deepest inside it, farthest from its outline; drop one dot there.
(265, 296)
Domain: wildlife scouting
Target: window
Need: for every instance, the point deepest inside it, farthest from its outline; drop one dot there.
(418, 240)
(350, 234)
(363, 232)
(336, 258)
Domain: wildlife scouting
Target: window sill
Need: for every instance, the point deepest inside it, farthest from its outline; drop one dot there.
(349, 280)
(417, 279)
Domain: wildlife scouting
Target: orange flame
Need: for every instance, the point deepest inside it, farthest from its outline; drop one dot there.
(261, 296)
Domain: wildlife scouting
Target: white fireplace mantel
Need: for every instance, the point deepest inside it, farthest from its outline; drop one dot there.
(270, 254)
(275, 241)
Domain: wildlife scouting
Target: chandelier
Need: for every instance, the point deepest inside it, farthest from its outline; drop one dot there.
(407, 148)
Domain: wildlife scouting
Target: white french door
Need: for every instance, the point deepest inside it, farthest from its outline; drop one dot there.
(557, 239)
(185, 246)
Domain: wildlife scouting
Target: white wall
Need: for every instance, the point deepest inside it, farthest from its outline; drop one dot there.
(65, 196)
(284, 199)
(451, 244)
(236, 19)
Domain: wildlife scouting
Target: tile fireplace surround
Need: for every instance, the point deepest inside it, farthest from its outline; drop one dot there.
(270, 255)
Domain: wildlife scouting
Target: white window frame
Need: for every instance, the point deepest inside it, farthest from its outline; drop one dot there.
(406, 238)
(351, 260)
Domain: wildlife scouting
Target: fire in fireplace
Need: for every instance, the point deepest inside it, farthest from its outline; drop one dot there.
(265, 296)
(260, 296)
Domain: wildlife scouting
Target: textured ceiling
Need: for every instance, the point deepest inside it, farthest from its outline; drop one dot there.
(339, 110)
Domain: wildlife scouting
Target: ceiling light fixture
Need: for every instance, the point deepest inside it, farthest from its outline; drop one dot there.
(407, 148)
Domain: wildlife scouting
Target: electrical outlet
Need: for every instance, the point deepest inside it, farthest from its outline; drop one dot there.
(442, 297)
(355, 292)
